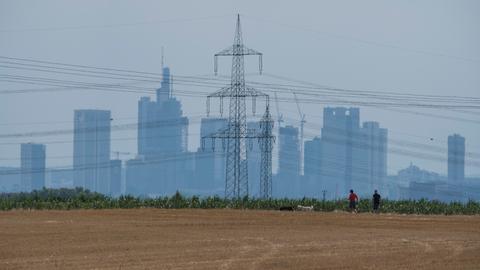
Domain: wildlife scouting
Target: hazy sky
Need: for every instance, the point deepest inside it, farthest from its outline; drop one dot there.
(421, 47)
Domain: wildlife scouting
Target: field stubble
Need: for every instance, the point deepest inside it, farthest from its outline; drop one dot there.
(235, 239)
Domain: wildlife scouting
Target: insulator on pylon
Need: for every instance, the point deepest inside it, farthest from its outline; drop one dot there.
(223, 144)
(213, 144)
(254, 105)
(215, 64)
(208, 106)
(260, 64)
(221, 106)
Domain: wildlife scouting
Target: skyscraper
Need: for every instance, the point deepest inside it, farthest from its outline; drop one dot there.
(164, 93)
(146, 125)
(254, 160)
(210, 159)
(456, 158)
(351, 157)
(161, 166)
(32, 166)
(287, 178)
(311, 181)
(162, 129)
(312, 157)
(340, 127)
(115, 177)
(370, 170)
(91, 150)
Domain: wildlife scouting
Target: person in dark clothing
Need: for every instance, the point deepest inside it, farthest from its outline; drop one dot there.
(376, 201)
(353, 200)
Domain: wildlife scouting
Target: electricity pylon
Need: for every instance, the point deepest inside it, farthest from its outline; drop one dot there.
(236, 133)
(266, 140)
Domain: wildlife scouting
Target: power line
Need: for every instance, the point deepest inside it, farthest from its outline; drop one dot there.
(99, 26)
(364, 41)
(174, 121)
(156, 76)
(115, 88)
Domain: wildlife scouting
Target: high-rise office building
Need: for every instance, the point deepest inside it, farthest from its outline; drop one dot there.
(91, 150)
(456, 158)
(340, 127)
(146, 126)
(312, 157)
(115, 177)
(210, 158)
(162, 128)
(311, 181)
(254, 160)
(162, 144)
(164, 93)
(351, 157)
(32, 166)
(370, 168)
(287, 178)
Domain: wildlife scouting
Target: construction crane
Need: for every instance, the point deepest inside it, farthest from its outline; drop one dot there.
(302, 123)
(118, 153)
(279, 116)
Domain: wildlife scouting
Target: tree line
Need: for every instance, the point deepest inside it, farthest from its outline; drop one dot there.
(78, 198)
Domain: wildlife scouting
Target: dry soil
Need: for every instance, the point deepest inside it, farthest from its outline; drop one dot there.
(235, 239)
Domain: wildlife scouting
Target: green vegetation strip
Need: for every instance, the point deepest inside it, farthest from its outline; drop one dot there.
(67, 199)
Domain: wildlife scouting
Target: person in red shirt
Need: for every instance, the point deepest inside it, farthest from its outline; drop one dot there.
(353, 199)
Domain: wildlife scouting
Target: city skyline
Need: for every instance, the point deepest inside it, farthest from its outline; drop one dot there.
(221, 134)
(346, 152)
(391, 57)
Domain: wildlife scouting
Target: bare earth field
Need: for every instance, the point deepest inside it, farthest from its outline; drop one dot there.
(235, 239)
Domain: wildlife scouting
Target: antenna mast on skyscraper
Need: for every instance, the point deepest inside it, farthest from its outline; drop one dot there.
(236, 134)
(163, 59)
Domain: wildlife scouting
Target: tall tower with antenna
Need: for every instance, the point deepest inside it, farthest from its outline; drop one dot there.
(235, 136)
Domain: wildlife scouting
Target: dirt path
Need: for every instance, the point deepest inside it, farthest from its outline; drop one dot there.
(235, 239)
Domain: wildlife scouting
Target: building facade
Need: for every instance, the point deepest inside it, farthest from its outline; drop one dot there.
(210, 159)
(254, 159)
(456, 158)
(371, 160)
(32, 166)
(351, 156)
(91, 150)
(163, 163)
(287, 178)
(311, 181)
(115, 177)
(341, 126)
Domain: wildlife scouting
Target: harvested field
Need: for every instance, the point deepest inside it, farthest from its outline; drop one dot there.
(235, 239)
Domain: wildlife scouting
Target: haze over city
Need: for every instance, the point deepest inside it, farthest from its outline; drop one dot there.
(220, 134)
(386, 48)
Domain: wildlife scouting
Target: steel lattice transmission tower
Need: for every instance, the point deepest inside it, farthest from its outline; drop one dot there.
(236, 134)
(266, 140)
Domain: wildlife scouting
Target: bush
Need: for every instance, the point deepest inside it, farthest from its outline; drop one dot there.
(78, 198)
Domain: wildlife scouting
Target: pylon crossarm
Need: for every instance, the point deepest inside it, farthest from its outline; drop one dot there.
(225, 52)
(223, 92)
(248, 51)
(237, 50)
(252, 92)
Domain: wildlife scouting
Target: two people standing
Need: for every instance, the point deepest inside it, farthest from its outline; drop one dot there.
(353, 201)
